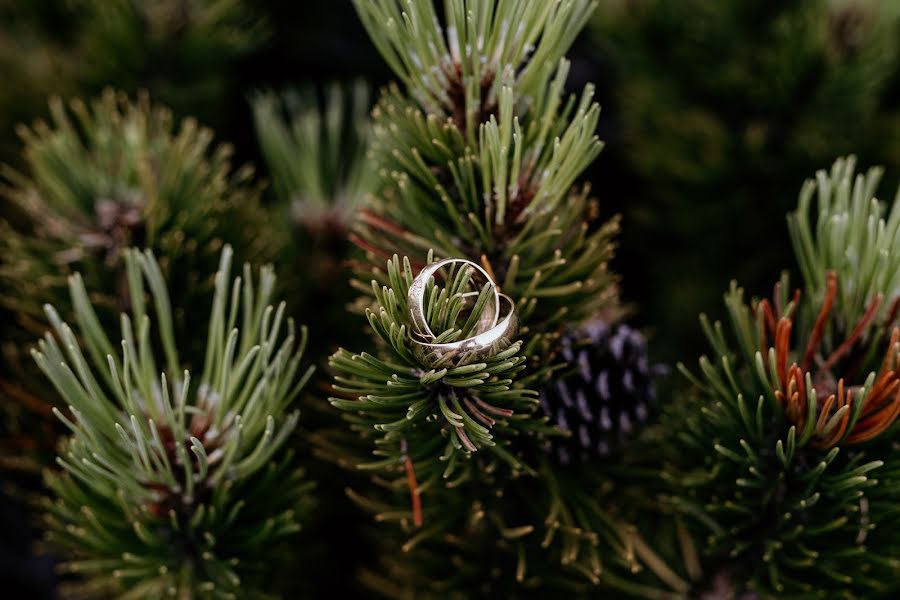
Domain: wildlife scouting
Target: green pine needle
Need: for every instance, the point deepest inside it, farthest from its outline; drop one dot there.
(315, 150)
(438, 417)
(173, 484)
(851, 233)
(480, 153)
(771, 456)
(115, 172)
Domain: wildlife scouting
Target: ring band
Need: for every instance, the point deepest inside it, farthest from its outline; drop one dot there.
(471, 349)
(495, 334)
(416, 297)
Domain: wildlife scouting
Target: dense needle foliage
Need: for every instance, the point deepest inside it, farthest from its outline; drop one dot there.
(172, 485)
(784, 451)
(556, 460)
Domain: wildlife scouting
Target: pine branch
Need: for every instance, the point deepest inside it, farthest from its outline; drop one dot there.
(114, 173)
(439, 416)
(457, 461)
(479, 154)
(460, 69)
(561, 531)
(315, 145)
(315, 151)
(101, 177)
(848, 235)
(172, 485)
(779, 453)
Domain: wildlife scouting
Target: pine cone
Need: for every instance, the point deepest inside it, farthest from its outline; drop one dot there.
(606, 396)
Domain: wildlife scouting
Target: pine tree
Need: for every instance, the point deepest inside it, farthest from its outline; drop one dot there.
(100, 178)
(479, 160)
(555, 460)
(785, 451)
(478, 154)
(173, 484)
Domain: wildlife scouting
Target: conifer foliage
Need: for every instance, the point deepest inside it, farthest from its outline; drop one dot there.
(112, 173)
(786, 446)
(480, 150)
(314, 144)
(315, 149)
(478, 154)
(100, 177)
(509, 434)
(173, 484)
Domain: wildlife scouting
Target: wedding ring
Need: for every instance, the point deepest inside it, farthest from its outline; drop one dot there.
(493, 334)
(470, 350)
(416, 297)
